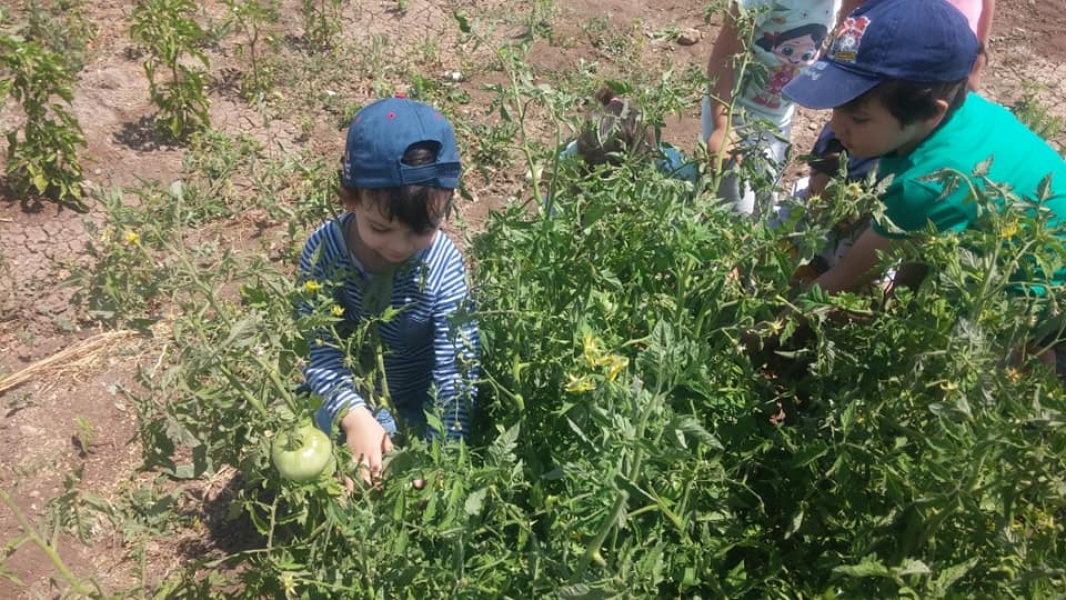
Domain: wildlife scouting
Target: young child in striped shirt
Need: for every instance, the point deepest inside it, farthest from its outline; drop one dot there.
(386, 251)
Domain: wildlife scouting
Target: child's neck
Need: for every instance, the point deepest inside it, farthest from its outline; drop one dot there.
(371, 262)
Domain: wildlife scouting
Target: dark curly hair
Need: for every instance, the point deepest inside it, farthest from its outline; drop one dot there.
(614, 131)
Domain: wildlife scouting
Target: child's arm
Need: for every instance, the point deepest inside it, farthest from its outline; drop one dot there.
(456, 349)
(984, 24)
(330, 378)
(856, 267)
(720, 69)
(984, 30)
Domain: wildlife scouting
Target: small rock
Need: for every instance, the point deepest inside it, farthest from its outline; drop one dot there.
(689, 36)
(30, 431)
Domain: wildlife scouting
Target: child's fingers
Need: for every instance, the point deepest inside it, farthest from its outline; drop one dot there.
(375, 468)
(364, 470)
(368, 468)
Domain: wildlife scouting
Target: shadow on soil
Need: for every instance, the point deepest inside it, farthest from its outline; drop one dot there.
(142, 135)
(230, 530)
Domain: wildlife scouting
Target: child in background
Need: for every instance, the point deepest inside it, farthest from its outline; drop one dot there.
(828, 150)
(787, 37)
(897, 81)
(615, 130)
(979, 14)
(399, 171)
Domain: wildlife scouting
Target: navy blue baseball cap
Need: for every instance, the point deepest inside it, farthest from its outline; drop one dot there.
(912, 40)
(383, 131)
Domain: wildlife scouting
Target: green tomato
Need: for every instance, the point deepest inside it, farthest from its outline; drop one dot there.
(303, 454)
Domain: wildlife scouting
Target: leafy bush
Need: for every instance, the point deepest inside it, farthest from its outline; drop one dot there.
(629, 444)
(63, 27)
(170, 34)
(45, 157)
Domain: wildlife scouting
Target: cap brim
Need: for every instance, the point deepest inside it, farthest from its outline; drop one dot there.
(825, 85)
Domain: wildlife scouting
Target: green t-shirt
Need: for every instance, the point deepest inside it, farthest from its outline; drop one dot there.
(977, 131)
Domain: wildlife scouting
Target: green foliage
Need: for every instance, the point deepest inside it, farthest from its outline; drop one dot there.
(44, 158)
(63, 27)
(251, 18)
(628, 445)
(85, 435)
(1037, 116)
(323, 22)
(173, 39)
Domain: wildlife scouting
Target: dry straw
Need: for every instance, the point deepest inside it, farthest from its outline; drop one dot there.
(82, 352)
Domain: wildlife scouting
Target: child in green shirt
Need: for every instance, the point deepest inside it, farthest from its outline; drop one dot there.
(895, 76)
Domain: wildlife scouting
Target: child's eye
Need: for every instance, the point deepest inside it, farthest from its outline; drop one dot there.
(377, 229)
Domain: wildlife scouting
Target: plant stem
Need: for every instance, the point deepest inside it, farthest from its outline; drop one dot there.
(77, 585)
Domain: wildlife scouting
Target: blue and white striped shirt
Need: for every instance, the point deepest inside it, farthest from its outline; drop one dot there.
(431, 345)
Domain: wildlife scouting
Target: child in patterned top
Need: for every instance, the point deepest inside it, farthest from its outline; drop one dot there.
(745, 109)
(387, 252)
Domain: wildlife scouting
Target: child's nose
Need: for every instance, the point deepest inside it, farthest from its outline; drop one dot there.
(836, 124)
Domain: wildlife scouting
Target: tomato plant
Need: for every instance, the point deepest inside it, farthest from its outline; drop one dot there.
(625, 443)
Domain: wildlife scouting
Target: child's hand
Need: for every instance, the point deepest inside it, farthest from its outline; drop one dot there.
(368, 441)
(721, 147)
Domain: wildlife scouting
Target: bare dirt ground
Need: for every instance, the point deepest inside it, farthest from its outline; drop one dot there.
(70, 419)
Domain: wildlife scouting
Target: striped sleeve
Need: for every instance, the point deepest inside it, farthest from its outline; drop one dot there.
(456, 344)
(323, 258)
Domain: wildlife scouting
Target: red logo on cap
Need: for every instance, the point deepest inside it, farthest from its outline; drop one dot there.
(847, 39)
(391, 116)
(401, 95)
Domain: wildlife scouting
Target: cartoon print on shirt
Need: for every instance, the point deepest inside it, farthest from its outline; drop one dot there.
(794, 49)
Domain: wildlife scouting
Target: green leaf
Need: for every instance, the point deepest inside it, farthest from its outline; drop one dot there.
(462, 21)
(947, 577)
(475, 502)
(581, 591)
(867, 568)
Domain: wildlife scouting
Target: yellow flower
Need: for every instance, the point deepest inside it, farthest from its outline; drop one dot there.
(1009, 231)
(311, 286)
(616, 364)
(854, 189)
(132, 238)
(1045, 520)
(288, 583)
(591, 349)
(338, 310)
(576, 385)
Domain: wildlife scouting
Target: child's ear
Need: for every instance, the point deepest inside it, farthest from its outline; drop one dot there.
(348, 197)
(941, 110)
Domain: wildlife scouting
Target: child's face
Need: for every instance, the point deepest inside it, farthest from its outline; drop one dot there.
(869, 130)
(384, 241)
